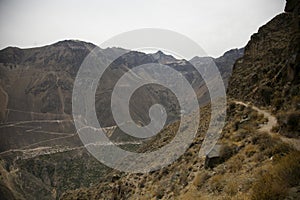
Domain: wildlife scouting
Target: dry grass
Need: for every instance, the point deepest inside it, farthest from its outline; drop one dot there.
(231, 188)
(274, 183)
(235, 164)
(289, 123)
(217, 183)
(200, 179)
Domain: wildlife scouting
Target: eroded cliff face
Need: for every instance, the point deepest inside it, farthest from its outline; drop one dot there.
(271, 61)
(269, 72)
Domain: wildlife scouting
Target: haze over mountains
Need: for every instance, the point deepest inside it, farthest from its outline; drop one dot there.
(36, 118)
(37, 85)
(253, 158)
(257, 155)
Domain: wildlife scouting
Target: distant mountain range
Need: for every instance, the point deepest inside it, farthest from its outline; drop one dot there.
(253, 159)
(36, 117)
(37, 84)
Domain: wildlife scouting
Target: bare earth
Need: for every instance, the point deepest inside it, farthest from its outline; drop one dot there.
(272, 121)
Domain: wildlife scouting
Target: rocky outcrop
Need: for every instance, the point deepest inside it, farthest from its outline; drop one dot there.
(261, 69)
(269, 72)
(224, 63)
(36, 88)
(163, 58)
(37, 83)
(292, 6)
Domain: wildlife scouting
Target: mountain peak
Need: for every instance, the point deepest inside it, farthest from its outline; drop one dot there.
(163, 58)
(159, 52)
(74, 44)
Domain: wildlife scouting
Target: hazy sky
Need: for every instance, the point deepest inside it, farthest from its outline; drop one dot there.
(216, 25)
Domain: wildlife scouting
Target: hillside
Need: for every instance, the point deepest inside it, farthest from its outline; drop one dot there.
(257, 156)
(268, 75)
(251, 160)
(39, 143)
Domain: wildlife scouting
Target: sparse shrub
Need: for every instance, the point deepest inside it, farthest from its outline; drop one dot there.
(293, 121)
(235, 164)
(274, 184)
(289, 123)
(227, 152)
(183, 179)
(241, 107)
(241, 196)
(287, 169)
(160, 193)
(277, 102)
(275, 129)
(236, 125)
(200, 179)
(266, 94)
(231, 187)
(296, 102)
(259, 157)
(232, 106)
(268, 189)
(142, 183)
(263, 140)
(250, 150)
(261, 119)
(217, 183)
(253, 115)
(269, 146)
(278, 147)
(240, 135)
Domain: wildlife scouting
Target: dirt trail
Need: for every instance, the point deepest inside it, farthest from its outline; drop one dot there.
(272, 121)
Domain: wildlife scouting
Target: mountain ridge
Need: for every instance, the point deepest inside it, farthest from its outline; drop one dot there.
(250, 163)
(38, 137)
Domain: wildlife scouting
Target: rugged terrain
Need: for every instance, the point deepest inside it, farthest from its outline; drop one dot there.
(41, 154)
(269, 71)
(257, 156)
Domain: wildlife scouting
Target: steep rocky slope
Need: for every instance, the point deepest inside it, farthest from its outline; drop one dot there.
(224, 62)
(36, 84)
(253, 163)
(40, 152)
(269, 73)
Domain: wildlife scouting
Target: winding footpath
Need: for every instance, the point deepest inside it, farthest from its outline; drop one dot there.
(272, 121)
